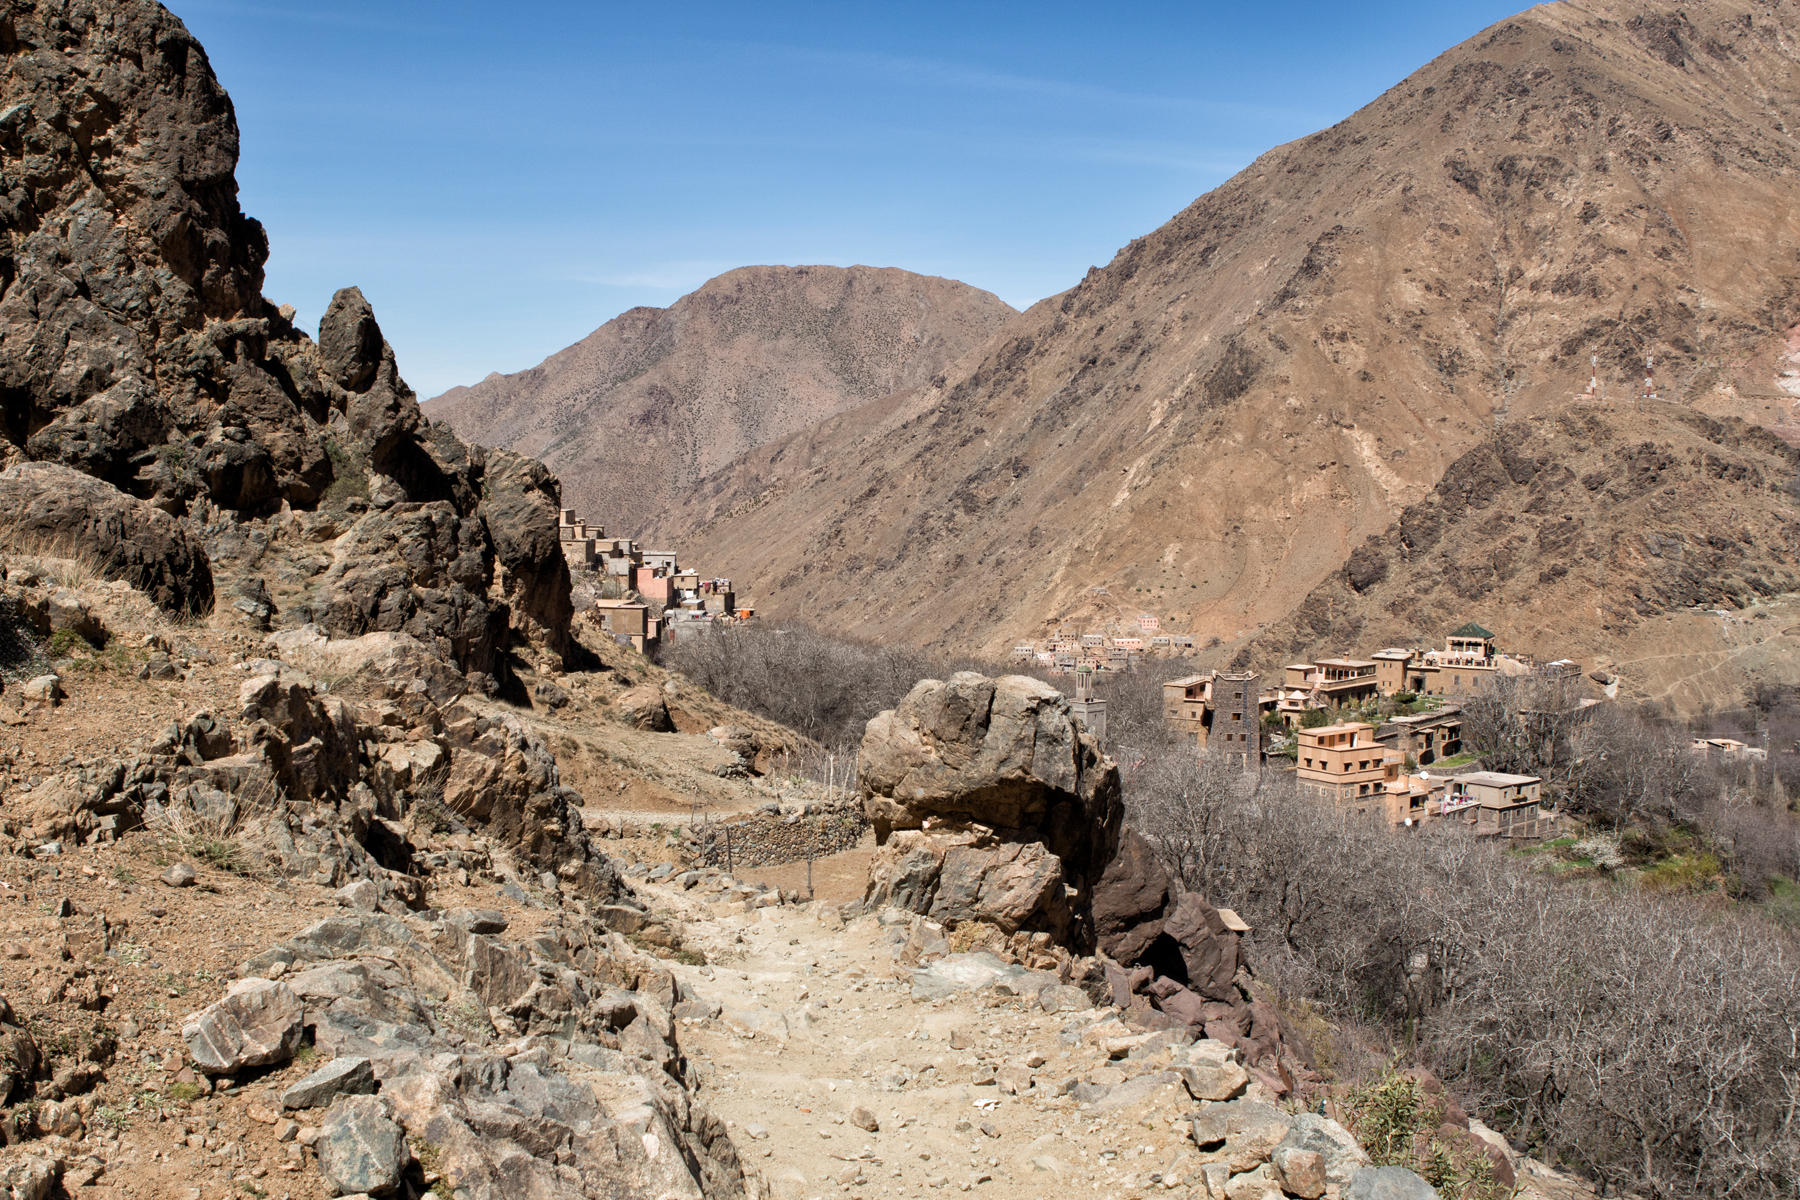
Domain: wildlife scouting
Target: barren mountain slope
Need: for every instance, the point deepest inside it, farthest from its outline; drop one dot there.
(1210, 424)
(1588, 532)
(657, 397)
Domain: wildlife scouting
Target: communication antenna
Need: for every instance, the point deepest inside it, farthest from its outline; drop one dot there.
(1594, 377)
(1649, 377)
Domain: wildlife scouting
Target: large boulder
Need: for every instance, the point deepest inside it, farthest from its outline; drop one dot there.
(257, 1023)
(992, 804)
(963, 877)
(362, 1149)
(1208, 947)
(1389, 1183)
(57, 510)
(1005, 753)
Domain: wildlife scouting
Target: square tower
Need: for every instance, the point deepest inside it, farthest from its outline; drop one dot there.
(1236, 729)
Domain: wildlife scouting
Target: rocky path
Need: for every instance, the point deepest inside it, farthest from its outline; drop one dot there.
(868, 1059)
(840, 1071)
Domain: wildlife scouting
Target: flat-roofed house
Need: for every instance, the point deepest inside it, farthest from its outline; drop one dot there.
(1409, 801)
(1500, 805)
(627, 619)
(1425, 737)
(1466, 663)
(1187, 705)
(1326, 683)
(1390, 670)
(1344, 763)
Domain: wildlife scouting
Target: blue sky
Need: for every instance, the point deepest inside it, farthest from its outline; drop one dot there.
(501, 179)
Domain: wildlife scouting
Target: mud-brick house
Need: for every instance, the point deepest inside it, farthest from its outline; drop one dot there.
(1344, 763)
(1425, 737)
(1500, 805)
(628, 620)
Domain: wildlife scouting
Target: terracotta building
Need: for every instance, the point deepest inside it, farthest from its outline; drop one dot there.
(1344, 763)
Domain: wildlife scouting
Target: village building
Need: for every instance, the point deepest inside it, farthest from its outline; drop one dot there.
(1467, 662)
(1344, 763)
(628, 621)
(1088, 708)
(1500, 805)
(1187, 705)
(1236, 730)
(1409, 801)
(1424, 737)
(1219, 710)
(1327, 683)
(1728, 749)
(1390, 670)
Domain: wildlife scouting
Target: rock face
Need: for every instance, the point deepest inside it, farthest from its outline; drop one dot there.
(136, 348)
(55, 509)
(1006, 809)
(636, 412)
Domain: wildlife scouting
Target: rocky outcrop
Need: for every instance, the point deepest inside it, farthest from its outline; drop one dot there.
(46, 508)
(547, 1067)
(992, 804)
(994, 807)
(380, 783)
(136, 348)
(255, 1024)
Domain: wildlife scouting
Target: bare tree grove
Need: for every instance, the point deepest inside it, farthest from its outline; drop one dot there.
(1648, 1041)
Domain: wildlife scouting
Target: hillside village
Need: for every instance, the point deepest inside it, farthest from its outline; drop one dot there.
(654, 599)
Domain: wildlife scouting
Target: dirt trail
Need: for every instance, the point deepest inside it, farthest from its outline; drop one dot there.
(804, 1025)
(818, 1020)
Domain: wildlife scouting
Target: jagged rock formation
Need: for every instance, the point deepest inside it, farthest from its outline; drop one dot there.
(136, 347)
(1619, 516)
(600, 1109)
(634, 413)
(336, 787)
(1212, 423)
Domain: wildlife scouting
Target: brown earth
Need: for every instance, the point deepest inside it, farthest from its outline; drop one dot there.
(1209, 426)
(1618, 533)
(636, 411)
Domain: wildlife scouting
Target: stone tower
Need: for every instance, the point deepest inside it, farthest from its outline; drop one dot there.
(1236, 724)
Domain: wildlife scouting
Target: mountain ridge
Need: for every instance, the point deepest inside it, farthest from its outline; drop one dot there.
(657, 397)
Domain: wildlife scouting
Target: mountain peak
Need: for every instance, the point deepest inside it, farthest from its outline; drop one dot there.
(657, 397)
